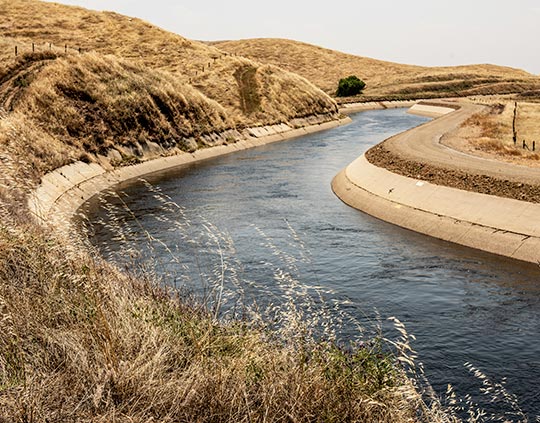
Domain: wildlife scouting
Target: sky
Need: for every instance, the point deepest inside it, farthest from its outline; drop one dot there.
(421, 32)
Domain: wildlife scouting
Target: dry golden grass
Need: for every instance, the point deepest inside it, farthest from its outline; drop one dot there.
(325, 67)
(81, 341)
(134, 88)
(80, 106)
(30, 21)
(95, 103)
(211, 71)
(28, 152)
(491, 133)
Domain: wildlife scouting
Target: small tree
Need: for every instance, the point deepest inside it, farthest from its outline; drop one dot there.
(352, 85)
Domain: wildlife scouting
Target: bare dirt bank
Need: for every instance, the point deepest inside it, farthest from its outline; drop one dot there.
(423, 153)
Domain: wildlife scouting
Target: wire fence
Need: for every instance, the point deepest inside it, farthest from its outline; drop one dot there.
(26, 48)
(530, 145)
(19, 49)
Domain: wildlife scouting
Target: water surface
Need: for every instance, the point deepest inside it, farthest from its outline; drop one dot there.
(276, 205)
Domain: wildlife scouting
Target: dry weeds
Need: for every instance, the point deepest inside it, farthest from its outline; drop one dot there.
(82, 341)
(158, 94)
(53, 26)
(490, 134)
(94, 103)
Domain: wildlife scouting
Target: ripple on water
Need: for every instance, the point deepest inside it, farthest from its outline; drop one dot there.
(462, 305)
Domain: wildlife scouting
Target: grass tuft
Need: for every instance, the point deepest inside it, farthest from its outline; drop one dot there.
(81, 341)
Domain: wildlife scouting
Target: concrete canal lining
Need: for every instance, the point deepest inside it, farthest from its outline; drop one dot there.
(490, 223)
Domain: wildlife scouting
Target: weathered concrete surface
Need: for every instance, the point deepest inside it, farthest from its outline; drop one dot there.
(63, 191)
(430, 110)
(375, 105)
(498, 225)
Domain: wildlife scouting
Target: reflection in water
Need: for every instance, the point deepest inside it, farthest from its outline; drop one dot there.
(275, 210)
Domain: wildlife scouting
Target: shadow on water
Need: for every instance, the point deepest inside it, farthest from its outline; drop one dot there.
(463, 305)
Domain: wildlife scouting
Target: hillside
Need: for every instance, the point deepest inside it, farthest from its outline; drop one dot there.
(325, 67)
(214, 73)
(99, 83)
(81, 340)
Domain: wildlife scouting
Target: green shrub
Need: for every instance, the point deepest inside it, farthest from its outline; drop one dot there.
(352, 85)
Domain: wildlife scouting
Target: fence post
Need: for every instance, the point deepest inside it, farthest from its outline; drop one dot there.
(514, 130)
(50, 46)
(65, 49)
(80, 50)
(33, 48)
(16, 51)
(534, 145)
(524, 144)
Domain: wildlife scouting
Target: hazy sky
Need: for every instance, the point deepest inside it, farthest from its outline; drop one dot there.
(423, 32)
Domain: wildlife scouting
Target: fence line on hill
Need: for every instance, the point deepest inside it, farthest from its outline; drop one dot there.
(32, 47)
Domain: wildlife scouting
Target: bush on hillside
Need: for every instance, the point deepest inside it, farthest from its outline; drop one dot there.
(352, 85)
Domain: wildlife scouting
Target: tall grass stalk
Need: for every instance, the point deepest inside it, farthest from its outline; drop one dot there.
(292, 309)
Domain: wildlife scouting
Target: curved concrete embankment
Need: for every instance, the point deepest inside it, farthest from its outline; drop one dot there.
(63, 191)
(349, 108)
(432, 109)
(498, 225)
(425, 144)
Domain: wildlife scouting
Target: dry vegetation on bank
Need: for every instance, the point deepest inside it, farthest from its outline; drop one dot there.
(209, 70)
(88, 107)
(385, 80)
(491, 134)
(93, 104)
(135, 91)
(81, 340)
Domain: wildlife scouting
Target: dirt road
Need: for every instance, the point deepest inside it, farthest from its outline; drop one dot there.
(419, 154)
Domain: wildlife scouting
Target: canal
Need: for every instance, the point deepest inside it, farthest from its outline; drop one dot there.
(264, 226)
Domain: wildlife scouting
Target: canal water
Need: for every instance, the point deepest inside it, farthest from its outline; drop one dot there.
(266, 223)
